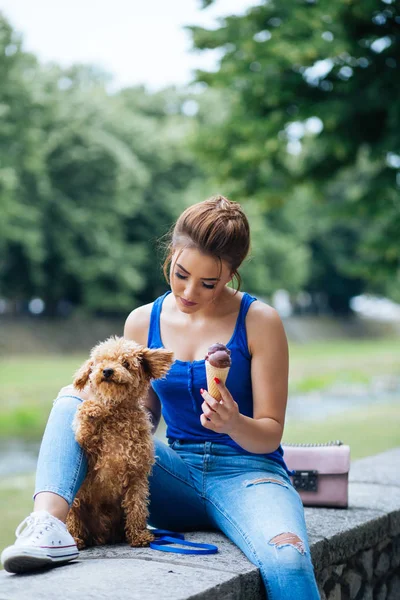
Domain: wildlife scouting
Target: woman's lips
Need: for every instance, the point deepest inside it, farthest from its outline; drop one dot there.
(186, 302)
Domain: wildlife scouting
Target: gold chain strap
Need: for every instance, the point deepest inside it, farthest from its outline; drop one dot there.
(332, 443)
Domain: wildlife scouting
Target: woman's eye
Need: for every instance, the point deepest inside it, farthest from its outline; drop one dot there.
(209, 286)
(125, 364)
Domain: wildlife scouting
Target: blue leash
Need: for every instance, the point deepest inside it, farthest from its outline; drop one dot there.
(164, 538)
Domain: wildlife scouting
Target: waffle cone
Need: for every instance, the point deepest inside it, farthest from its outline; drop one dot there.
(212, 372)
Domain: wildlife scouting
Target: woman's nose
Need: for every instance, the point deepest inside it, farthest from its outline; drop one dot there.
(189, 292)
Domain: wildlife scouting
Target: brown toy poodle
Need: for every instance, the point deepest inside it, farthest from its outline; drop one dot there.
(114, 430)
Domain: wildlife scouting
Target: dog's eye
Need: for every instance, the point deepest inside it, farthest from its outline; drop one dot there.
(125, 364)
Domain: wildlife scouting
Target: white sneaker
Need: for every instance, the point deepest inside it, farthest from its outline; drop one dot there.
(42, 540)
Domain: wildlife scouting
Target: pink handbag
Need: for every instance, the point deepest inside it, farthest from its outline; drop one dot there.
(321, 472)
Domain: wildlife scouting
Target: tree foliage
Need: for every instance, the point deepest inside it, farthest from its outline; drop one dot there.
(300, 124)
(88, 181)
(314, 101)
(91, 180)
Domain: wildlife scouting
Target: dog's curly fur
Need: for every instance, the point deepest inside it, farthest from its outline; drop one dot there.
(114, 429)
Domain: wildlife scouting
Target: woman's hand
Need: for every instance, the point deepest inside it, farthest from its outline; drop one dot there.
(222, 416)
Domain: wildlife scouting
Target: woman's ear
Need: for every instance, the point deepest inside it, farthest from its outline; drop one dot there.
(82, 375)
(231, 276)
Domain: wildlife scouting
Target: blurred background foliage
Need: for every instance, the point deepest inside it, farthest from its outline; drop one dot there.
(300, 123)
(314, 91)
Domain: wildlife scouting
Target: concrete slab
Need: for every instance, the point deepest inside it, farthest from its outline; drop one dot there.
(383, 468)
(144, 573)
(228, 559)
(367, 495)
(133, 579)
(377, 497)
(340, 533)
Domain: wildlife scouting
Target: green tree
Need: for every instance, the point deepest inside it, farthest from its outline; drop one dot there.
(279, 256)
(176, 179)
(313, 100)
(88, 181)
(115, 175)
(21, 168)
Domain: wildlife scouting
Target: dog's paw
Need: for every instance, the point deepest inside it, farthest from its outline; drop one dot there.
(80, 543)
(141, 539)
(91, 411)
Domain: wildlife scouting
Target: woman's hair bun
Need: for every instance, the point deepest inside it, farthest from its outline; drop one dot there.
(218, 227)
(226, 210)
(223, 203)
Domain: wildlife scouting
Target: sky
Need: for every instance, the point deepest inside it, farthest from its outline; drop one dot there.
(137, 41)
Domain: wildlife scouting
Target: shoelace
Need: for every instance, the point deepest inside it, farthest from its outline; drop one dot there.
(29, 523)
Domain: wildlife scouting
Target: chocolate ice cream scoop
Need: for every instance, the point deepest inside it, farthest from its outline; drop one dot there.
(219, 356)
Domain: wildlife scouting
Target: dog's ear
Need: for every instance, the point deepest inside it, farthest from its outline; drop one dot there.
(82, 375)
(156, 362)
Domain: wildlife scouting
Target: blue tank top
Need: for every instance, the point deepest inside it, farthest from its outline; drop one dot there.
(179, 391)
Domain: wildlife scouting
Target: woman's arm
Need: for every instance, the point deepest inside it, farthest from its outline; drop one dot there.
(269, 374)
(153, 406)
(136, 328)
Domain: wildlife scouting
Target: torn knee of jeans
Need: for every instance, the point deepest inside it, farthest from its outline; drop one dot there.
(265, 480)
(288, 539)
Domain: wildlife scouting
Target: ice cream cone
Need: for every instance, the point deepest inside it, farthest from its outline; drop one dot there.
(211, 372)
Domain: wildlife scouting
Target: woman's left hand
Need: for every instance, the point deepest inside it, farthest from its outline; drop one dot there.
(221, 416)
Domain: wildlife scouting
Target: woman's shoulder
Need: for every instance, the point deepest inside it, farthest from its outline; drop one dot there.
(137, 324)
(259, 309)
(263, 323)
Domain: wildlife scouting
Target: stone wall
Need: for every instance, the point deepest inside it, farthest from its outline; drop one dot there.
(358, 555)
(371, 574)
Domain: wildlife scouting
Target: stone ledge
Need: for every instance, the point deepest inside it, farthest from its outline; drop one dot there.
(336, 536)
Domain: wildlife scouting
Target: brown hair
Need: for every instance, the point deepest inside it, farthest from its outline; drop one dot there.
(217, 227)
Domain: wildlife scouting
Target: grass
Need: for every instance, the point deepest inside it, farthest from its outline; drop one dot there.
(29, 385)
(15, 505)
(367, 433)
(317, 366)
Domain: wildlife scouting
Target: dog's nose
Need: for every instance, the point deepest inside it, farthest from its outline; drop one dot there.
(108, 372)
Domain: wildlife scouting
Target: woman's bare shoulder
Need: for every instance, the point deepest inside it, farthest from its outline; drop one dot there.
(263, 323)
(137, 324)
(262, 310)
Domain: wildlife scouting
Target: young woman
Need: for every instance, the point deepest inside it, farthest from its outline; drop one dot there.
(223, 466)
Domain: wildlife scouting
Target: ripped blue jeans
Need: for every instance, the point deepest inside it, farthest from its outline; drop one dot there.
(196, 486)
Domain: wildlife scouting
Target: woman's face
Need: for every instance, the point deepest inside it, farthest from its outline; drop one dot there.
(197, 279)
